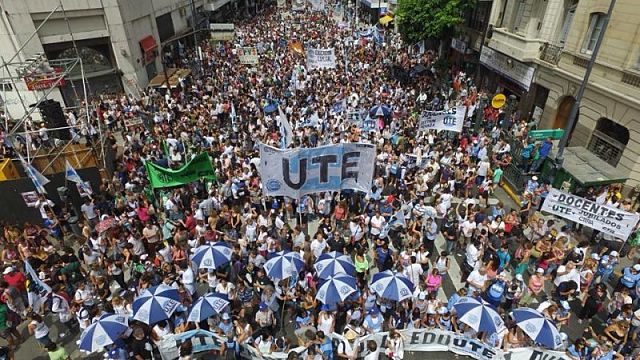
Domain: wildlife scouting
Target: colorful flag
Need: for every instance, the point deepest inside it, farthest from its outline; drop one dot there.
(37, 290)
(72, 175)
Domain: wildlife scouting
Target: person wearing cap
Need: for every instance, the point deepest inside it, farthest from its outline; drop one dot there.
(629, 279)
(15, 279)
(373, 321)
(606, 266)
(265, 319)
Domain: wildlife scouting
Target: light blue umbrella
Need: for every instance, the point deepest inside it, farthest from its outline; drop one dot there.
(479, 315)
(392, 285)
(156, 304)
(283, 265)
(537, 327)
(333, 263)
(207, 306)
(211, 256)
(103, 332)
(336, 288)
(380, 110)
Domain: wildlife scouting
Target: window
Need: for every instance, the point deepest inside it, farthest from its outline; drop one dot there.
(596, 24)
(566, 24)
(609, 140)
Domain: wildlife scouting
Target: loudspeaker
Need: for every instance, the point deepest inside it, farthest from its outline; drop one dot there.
(53, 115)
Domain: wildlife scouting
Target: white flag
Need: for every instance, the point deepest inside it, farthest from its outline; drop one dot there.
(39, 180)
(285, 129)
(38, 291)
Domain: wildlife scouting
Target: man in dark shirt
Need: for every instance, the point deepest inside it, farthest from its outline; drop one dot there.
(139, 344)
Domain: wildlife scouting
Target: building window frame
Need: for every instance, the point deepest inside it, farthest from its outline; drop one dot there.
(596, 26)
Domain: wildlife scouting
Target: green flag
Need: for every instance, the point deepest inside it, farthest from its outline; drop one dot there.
(165, 149)
(199, 167)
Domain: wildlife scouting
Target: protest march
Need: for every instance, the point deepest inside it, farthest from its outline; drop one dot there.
(295, 200)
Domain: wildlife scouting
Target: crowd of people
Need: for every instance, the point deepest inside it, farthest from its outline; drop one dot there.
(442, 182)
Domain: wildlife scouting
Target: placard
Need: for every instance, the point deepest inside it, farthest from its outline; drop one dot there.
(321, 58)
(30, 198)
(609, 220)
(248, 55)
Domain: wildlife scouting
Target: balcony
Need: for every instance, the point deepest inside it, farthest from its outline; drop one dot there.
(516, 46)
(551, 53)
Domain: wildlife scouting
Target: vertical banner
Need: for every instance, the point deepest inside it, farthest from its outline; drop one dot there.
(248, 55)
(298, 172)
(609, 220)
(321, 59)
(452, 120)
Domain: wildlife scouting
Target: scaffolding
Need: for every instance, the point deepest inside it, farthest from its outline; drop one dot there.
(42, 76)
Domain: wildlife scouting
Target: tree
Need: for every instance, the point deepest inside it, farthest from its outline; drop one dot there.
(430, 19)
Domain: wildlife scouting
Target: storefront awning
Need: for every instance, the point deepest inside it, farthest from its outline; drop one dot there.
(386, 19)
(148, 44)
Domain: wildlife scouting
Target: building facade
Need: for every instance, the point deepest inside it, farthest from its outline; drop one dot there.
(120, 42)
(539, 50)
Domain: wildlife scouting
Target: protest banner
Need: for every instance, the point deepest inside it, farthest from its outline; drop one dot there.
(321, 58)
(199, 167)
(298, 5)
(356, 116)
(369, 124)
(298, 172)
(423, 340)
(317, 5)
(452, 120)
(248, 55)
(134, 121)
(609, 220)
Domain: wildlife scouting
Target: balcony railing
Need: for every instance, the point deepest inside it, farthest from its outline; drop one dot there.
(551, 53)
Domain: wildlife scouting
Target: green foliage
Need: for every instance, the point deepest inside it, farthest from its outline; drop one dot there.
(430, 19)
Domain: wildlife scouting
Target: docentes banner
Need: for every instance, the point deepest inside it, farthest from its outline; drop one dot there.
(297, 172)
(321, 59)
(422, 340)
(199, 167)
(452, 120)
(248, 55)
(609, 220)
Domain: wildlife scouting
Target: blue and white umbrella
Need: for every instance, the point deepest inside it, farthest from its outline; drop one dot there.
(333, 263)
(211, 256)
(283, 265)
(207, 306)
(380, 110)
(156, 304)
(537, 327)
(479, 315)
(103, 332)
(336, 288)
(391, 285)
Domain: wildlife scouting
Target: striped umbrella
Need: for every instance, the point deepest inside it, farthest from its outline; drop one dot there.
(392, 285)
(336, 288)
(103, 332)
(283, 265)
(537, 327)
(211, 256)
(207, 306)
(479, 315)
(333, 263)
(156, 304)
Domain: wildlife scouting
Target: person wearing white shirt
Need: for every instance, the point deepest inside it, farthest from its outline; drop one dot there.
(318, 245)
(414, 271)
(43, 204)
(187, 278)
(377, 223)
(477, 280)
